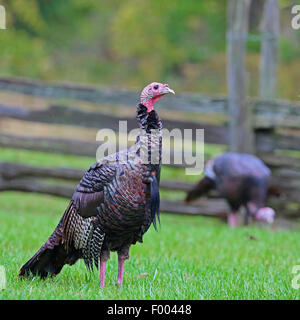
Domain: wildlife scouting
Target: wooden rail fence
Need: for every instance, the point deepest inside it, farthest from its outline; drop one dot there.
(276, 126)
(19, 177)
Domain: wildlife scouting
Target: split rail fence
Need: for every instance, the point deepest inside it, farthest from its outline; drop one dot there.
(275, 124)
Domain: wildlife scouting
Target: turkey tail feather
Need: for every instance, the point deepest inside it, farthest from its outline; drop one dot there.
(155, 202)
(84, 234)
(92, 250)
(50, 258)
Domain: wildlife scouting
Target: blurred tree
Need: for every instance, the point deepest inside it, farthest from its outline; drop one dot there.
(269, 50)
(130, 42)
(25, 15)
(159, 37)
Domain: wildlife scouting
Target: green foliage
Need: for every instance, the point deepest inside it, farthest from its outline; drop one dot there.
(289, 50)
(286, 3)
(145, 39)
(26, 15)
(158, 36)
(129, 43)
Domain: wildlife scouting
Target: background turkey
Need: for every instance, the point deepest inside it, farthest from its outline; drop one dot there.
(113, 205)
(242, 179)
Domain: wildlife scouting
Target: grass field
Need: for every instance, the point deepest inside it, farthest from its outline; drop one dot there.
(189, 258)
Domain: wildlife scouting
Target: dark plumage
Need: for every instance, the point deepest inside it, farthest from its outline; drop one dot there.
(113, 205)
(242, 179)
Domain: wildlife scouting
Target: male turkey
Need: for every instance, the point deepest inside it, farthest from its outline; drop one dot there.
(242, 179)
(114, 203)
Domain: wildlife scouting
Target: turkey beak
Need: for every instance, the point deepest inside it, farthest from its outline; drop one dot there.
(167, 90)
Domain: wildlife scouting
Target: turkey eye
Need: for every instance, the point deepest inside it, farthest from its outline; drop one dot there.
(155, 87)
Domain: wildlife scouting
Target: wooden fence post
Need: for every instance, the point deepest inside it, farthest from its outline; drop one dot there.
(241, 133)
(268, 63)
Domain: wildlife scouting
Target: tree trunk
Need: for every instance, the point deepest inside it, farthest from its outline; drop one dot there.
(268, 64)
(241, 135)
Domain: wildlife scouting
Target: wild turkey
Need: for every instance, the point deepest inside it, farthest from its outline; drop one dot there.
(242, 179)
(114, 203)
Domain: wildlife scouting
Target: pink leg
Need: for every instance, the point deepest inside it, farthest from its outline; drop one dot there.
(120, 270)
(102, 273)
(232, 220)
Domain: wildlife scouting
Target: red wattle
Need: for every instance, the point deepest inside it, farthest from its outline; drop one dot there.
(152, 101)
(150, 107)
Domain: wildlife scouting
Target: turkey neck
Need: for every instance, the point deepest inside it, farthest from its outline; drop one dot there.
(149, 140)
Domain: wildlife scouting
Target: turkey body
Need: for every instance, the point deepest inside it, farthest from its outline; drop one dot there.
(242, 179)
(112, 207)
(124, 214)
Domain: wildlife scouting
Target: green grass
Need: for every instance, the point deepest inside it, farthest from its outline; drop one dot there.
(44, 159)
(189, 258)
